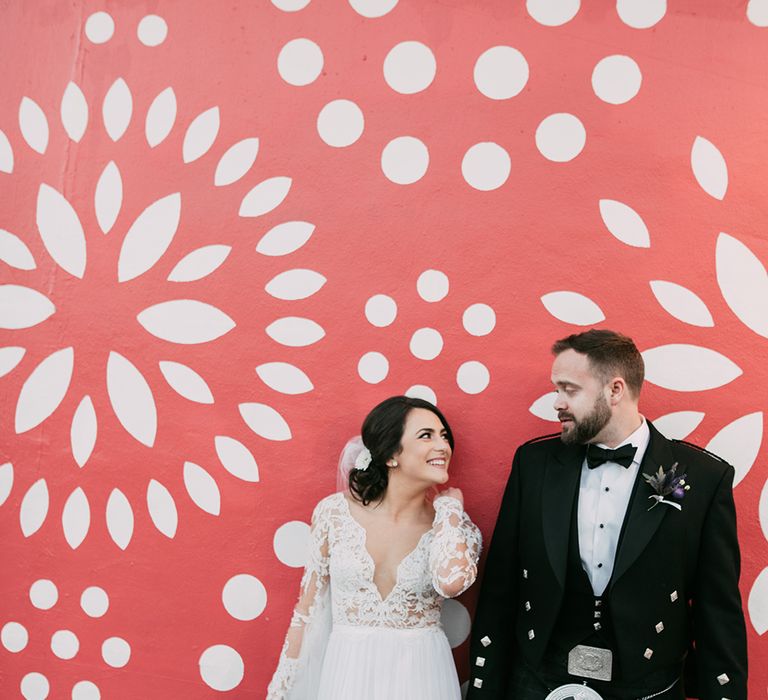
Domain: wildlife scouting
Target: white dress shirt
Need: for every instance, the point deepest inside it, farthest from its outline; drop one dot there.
(603, 499)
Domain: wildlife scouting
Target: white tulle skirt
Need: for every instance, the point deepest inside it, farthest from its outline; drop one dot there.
(381, 663)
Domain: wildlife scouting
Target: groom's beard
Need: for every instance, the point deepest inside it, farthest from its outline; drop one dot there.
(584, 430)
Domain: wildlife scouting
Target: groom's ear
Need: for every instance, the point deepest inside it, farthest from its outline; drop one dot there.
(617, 390)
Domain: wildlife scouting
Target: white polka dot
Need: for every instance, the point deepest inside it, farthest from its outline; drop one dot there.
(380, 310)
(99, 27)
(560, 137)
(479, 319)
(373, 367)
(14, 636)
(85, 690)
(221, 667)
(291, 543)
(340, 123)
(456, 622)
(501, 72)
(421, 391)
(552, 13)
(473, 377)
(244, 597)
(116, 652)
(486, 166)
(426, 343)
(409, 67)
(290, 5)
(404, 160)
(641, 14)
(35, 686)
(372, 8)
(43, 594)
(757, 12)
(94, 601)
(616, 79)
(152, 30)
(432, 285)
(65, 644)
(300, 62)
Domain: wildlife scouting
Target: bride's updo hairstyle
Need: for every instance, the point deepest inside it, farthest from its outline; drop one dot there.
(382, 434)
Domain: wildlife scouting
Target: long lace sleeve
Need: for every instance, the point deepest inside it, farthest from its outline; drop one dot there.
(455, 548)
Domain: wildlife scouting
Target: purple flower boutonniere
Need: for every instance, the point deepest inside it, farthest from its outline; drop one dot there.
(667, 483)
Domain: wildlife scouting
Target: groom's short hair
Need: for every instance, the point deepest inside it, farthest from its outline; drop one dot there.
(610, 354)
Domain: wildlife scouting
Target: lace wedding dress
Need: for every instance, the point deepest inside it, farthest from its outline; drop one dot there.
(347, 643)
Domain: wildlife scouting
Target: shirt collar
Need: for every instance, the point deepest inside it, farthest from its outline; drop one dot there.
(640, 439)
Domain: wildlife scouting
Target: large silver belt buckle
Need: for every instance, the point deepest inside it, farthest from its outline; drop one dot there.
(573, 691)
(590, 662)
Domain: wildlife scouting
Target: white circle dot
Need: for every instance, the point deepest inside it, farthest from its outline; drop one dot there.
(616, 79)
(94, 601)
(116, 652)
(486, 166)
(641, 14)
(552, 13)
(410, 67)
(291, 543)
(473, 377)
(221, 667)
(501, 72)
(14, 636)
(456, 622)
(300, 62)
(421, 391)
(65, 644)
(99, 27)
(404, 160)
(85, 690)
(432, 285)
(244, 597)
(426, 343)
(340, 123)
(757, 12)
(43, 594)
(479, 319)
(35, 686)
(380, 310)
(152, 30)
(372, 8)
(373, 367)
(560, 137)
(290, 5)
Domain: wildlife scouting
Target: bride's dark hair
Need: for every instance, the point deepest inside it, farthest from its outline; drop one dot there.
(382, 434)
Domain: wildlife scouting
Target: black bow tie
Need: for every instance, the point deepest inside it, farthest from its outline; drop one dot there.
(598, 455)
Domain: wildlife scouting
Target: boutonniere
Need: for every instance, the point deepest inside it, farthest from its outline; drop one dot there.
(667, 483)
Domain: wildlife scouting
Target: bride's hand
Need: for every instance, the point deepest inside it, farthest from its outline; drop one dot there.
(453, 493)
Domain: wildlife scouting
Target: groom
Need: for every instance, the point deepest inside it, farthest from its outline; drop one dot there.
(599, 576)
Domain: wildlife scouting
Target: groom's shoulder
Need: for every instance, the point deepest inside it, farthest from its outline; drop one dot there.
(690, 452)
(541, 443)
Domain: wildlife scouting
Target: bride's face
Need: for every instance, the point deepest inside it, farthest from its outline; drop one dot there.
(426, 452)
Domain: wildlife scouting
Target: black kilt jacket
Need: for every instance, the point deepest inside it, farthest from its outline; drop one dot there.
(678, 568)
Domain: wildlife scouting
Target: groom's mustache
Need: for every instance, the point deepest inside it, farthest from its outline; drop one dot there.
(566, 416)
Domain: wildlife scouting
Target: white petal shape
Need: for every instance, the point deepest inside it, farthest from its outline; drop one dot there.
(758, 603)
(678, 425)
(683, 367)
(149, 237)
(572, 307)
(61, 231)
(624, 223)
(76, 518)
(131, 399)
(83, 433)
(739, 443)
(199, 263)
(265, 196)
(162, 508)
(295, 332)
(117, 109)
(6, 481)
(14, 252)
(544, 407)
(6, 154)
(295, 284)
(186, 382)
(33, 125)
(74, 112)
(44, 389)
(202, 488)
(762, 509)
(285, 238)
(265, 421)
(236, 162)
(109, 197)
(119, 519)
(9, 358)
(743, 282)
(160, 117)
(201, 134)
(236, 458)
(682, 303)
(34, 508)
(285, 378)
(185, 321)
(709, 168)
(22, 307)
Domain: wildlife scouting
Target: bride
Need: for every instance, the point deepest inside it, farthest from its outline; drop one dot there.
(383, 557)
